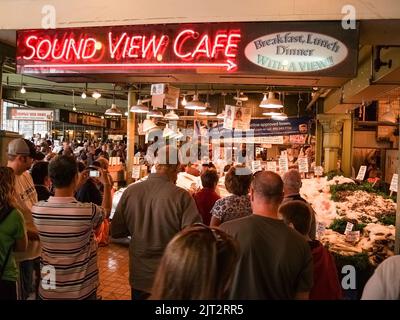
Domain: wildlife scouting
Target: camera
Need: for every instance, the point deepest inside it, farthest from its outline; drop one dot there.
(94, 173)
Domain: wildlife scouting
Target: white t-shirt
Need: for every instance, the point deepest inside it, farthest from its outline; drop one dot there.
(385, 282)
(26, 192)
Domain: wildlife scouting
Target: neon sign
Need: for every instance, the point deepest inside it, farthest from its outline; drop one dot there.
(72, 50)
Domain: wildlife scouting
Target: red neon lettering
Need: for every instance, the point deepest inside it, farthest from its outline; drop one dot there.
(86, 46)
(113, 50)
(27, 42)
(53, 54)
(152, 42)
(177, 42)
(218, 45)
(77, 51)
(39, 47)
(205, 43)
(232, 44)
(133, 47)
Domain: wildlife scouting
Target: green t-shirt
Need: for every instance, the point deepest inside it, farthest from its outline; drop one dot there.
(12, 228)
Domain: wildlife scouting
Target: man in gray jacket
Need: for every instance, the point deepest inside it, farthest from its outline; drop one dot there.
(152, 212)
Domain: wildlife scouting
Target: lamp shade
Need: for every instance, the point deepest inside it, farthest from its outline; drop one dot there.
(208, 111)
(171, 116)
(155, 114)
(271, 102)
(113, 111)
(148, 125)
(195, 104)
(139, 107)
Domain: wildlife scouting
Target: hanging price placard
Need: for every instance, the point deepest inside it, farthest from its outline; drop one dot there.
(361, 173)
(303, 164)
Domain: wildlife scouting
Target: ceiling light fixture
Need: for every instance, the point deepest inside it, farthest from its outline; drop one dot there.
(140, 107)
(155, 114)
(23, 90)
(271, 102)
(96, 94)
(114, 110)
(184, 102)
(240, 96)
(171, 116)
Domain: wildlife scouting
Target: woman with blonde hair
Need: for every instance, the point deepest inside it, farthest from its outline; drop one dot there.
(12, 235)
(198, 264)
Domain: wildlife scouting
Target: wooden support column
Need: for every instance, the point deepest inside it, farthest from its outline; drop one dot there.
(347, 146)
(397, 234)
(131, 127)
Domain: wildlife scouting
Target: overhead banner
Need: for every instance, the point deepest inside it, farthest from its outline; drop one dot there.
(267, 48)
(30, 114)
(270, 127)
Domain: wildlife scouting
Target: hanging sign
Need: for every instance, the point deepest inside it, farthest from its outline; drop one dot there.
(319, 47)
(295, 51)
(31, 114)
(256, 166)
(303, 164)
(283, 164)
(271, 166)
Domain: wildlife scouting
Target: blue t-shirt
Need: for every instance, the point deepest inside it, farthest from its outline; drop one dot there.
(12, 228)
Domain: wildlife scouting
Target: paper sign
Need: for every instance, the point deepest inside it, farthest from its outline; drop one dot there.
(353, 236)
(319, 171)
(271, 166)
(303, 164)
(256, 166)
(136, 172)
(361, 173)
(349, 227)
(283, 164)
(321, 226)
(394, 183)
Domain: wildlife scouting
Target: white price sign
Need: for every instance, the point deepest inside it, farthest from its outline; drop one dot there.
(283, 164)
(349, 227)
(136, 172)
(353, 236)
(394, 183)
(361, 173)
(256, 166)
(319, 171)
(303, 164)
(321, 226)
(271, 166)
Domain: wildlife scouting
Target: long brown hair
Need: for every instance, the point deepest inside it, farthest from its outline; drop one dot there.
(7, 187)
(198, 264)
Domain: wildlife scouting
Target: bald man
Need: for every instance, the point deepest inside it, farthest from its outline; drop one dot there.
(291, 190)
(275, 261)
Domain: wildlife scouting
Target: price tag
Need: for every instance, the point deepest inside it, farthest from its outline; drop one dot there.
(349, 228)
(321, 226)
(271, 166)
(319, 171)
(283, 164)
(136, 172)
(361, 173)
(353, 236)
(303, 164)
(394, 183)
(256, 166)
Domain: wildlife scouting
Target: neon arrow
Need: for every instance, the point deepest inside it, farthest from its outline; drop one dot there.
(229, 65)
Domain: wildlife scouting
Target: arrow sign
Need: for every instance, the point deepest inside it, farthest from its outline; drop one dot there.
(228, 64)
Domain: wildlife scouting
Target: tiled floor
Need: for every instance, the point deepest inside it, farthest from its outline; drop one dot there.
(114, 272)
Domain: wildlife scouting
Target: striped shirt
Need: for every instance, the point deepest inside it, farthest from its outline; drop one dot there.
(66, 231)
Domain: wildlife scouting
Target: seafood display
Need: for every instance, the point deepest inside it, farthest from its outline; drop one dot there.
(372, 214)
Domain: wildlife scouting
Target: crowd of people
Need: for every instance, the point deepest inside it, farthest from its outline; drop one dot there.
(257, 243)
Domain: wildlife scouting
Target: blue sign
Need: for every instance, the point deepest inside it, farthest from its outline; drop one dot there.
(270, 127)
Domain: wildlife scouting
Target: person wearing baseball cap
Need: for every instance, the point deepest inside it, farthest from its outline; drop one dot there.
(21, 154)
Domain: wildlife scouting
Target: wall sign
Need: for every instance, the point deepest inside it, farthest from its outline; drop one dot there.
(31, 114)
(296, 51)
(212, 48)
